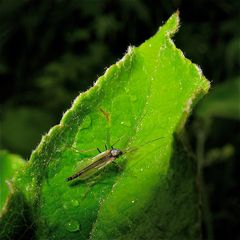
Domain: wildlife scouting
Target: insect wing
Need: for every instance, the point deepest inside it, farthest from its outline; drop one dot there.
(90, 166)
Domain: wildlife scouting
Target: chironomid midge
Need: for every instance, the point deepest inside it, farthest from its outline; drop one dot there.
(102, 160)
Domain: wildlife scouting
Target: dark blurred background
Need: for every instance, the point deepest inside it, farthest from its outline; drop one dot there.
(52, 50)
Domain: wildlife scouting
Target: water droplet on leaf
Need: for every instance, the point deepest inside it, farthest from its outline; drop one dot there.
(127, 90)
(74, 203)
(126, 124)
(70, 204)
(72, 226)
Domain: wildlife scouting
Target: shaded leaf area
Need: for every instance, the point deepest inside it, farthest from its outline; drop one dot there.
(155, 219)
(146, 95)
(9, 164)
(16, 219)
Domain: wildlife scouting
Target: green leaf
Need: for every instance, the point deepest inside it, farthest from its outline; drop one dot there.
(153, 193)
(222, 102)
(9, 164)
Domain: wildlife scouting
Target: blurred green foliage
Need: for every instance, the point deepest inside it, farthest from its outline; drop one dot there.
(49, 51)
(222, 102)
(9, 164)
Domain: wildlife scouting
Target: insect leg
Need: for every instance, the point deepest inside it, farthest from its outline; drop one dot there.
(98, 150)
(117, 166)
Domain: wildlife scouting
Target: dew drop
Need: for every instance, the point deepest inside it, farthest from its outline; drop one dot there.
(65, 206)
(28, 188)
(74, 203)
(70, 204)
(126, 124)
(72, 226)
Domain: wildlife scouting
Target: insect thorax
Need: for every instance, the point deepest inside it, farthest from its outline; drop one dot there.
(116, 152)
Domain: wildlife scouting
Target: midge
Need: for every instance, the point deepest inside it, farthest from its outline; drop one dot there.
(98, 162)
(102, 160)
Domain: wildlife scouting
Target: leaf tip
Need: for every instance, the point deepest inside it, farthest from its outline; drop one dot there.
(173, 24)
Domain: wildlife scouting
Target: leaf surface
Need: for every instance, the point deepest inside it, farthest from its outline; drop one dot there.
(152, 194)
